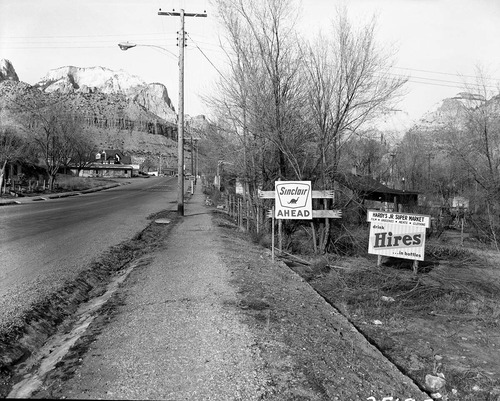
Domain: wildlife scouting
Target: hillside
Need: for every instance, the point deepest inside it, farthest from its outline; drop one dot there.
(115, 110)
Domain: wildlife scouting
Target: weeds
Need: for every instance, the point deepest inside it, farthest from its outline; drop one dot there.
(67, 183)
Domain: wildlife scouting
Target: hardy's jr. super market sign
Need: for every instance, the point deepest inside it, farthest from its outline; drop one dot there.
(401, 235)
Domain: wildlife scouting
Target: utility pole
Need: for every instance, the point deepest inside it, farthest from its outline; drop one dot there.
(192, 156)
(180, 117)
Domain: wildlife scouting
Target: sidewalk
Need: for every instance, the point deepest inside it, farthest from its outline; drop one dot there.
(186, 330)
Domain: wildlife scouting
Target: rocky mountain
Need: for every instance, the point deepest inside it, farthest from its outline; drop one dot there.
(114, 109)
(447, 110)
(111, 108)
(7, 71)
(152, 97)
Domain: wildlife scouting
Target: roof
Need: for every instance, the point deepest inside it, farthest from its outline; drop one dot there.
(372, 189)
(112, 153)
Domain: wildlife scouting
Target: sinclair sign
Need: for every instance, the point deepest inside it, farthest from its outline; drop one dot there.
(293, 200)
(401, 235)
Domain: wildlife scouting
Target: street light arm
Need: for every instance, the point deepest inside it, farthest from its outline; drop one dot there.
(127, 45)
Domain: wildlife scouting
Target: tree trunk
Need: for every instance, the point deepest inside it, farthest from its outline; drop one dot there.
(2, 173)
(52, 180)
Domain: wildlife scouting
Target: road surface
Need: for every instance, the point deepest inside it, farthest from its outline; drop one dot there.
(44, 244)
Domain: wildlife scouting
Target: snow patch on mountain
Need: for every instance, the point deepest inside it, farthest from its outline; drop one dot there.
(70, 78)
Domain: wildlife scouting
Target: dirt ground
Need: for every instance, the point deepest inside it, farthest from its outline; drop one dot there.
(307, 361)
(443, 321)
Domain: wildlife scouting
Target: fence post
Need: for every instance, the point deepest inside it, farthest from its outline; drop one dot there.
(272, 233)
(280, 234)
(241, 211)
(238, 209)
(257, 220)
(248, 215)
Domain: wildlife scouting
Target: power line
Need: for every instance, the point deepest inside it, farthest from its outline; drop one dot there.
(59, 47)
(208, 59)
(440, 82)
(84, 36)
(445, 73)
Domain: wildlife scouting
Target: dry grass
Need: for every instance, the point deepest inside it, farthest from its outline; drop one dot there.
(68, 183)
(453, 287)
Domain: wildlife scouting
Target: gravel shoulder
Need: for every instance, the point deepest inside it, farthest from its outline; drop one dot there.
(208, 315)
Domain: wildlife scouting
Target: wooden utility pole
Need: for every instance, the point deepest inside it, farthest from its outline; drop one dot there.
(180, 116)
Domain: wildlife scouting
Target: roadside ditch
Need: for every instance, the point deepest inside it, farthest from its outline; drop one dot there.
(20, 343)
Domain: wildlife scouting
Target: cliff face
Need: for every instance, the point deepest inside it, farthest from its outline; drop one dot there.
(111, 121)
(448, 110)
(153, 97)
(7, 71)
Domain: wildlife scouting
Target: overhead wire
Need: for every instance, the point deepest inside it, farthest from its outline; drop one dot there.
(208, 59)
(41, 42)
(81, 36)
(440, 82)
(445, 73)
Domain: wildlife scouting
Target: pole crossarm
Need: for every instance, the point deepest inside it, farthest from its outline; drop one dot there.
(178, 14)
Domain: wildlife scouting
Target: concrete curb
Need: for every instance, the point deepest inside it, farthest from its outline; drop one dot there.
(60, 195)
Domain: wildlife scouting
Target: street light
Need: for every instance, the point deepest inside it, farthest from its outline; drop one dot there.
(180, 122)
(126, 45)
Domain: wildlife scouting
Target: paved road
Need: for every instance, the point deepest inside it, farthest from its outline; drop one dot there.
(43, 244)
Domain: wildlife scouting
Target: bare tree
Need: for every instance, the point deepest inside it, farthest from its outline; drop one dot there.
(82, 150)
(12, 149)
(54, 141)
(350, 85)
(474, 139)
(262, 92)
(53, 132)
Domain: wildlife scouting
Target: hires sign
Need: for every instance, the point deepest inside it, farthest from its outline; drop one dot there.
(293, 200)
(399, 235)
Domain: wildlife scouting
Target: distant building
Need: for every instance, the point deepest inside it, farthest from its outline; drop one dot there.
(108, 163)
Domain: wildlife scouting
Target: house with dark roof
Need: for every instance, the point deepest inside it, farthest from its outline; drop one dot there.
(108, 163)
(362, 192)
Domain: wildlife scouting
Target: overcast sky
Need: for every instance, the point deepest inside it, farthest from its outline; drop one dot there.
(440, 42)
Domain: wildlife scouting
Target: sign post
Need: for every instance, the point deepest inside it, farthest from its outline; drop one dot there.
(400, 235)
(293, 200)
